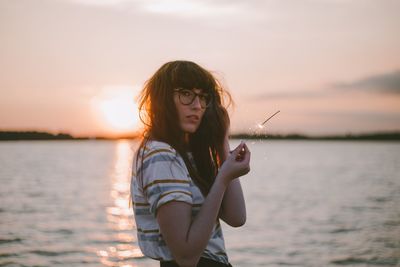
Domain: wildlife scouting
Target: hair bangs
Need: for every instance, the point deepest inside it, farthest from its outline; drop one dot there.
(192, 76)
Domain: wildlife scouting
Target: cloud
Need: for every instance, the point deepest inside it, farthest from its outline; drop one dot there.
(100, 2)
(379, 83)
(383, 83)
(356, 115)
(189, 8)
(182, 8)
(291, 95)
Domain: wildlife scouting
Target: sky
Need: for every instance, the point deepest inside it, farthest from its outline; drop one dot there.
(76, 66)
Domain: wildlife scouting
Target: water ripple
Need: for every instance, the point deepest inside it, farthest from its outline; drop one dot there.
(12, 240)
(6, 255)
(344, 230)
(54, 253)
(370, 261)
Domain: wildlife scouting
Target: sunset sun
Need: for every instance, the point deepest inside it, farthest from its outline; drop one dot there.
(115, 107)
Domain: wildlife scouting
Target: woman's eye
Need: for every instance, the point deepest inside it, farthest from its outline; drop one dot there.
(204, 97)
(186, 93)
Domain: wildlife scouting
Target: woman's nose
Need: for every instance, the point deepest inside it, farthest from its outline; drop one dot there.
(196, 102)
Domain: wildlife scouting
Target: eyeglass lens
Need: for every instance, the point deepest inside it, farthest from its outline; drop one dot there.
(187, 97)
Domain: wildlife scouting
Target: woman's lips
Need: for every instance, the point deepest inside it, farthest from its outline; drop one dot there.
(193, 118)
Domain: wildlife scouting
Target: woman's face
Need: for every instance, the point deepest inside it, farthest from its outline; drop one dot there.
(189, 115)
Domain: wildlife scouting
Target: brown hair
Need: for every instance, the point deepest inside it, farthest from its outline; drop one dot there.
(159, 115)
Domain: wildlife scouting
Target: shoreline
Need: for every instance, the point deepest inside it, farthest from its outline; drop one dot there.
(35, 135)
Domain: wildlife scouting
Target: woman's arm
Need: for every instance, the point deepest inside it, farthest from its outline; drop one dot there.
(233, 208)
(186, 237)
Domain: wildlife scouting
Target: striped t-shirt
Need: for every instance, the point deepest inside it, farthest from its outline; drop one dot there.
(166, 178)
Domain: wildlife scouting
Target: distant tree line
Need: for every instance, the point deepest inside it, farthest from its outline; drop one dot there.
(369, 136)
(34, 135)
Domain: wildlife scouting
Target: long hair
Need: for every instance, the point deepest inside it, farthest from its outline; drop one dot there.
(160, 117)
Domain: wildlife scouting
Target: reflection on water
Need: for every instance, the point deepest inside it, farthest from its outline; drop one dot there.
(120, 214)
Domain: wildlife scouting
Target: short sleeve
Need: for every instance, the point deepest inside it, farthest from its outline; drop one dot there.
(165, 178)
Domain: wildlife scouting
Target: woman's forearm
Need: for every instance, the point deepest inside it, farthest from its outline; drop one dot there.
(233, 207)
(229, 200)
(202, 225)
(188, 237)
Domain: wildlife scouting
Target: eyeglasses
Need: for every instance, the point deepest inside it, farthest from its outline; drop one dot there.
(186, 97)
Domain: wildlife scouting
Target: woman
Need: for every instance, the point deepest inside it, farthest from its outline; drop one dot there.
(184, 178)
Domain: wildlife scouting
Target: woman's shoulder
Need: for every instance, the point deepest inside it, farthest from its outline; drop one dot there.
(154, 147)
(158, 145)
(161, 156)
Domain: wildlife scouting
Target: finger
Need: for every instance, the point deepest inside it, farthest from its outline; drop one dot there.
(246, 155)
(246, 148)
(237, 149)
(231, 151)
(244, 152)
(239, 157)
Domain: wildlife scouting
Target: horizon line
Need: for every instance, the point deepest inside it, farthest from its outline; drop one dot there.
(45, 135)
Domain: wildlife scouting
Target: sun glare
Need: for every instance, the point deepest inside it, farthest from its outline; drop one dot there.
(115, 106)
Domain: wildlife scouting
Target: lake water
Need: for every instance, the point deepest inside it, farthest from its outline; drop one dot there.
(309, 203)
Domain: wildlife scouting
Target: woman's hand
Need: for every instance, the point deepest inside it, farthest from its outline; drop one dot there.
(236, 164)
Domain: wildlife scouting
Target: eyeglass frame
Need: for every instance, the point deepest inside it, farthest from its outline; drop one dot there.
(178, 90)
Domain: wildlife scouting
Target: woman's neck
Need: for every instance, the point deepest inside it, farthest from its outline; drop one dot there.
(187, 141)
